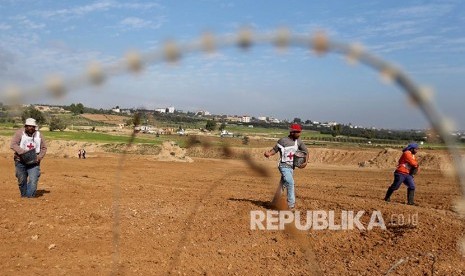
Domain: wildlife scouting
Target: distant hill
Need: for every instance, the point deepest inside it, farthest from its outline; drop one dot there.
(105, 118)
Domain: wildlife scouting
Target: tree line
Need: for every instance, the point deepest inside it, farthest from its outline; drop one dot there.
(55, 123)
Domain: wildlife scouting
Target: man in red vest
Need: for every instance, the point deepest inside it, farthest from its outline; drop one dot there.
(30, 148)
(287, 147)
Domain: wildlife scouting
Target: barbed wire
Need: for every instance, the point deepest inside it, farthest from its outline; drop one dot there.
(96, 74)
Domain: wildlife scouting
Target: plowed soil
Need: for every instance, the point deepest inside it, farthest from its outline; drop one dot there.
(152, 217)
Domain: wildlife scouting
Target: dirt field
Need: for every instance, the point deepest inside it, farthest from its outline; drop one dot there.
(193, 218)
(106, 118)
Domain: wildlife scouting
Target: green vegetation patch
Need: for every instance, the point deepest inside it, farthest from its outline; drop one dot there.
(95, 137)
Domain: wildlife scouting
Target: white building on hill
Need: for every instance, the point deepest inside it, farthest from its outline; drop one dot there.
(203, 113)
(165, 109)
(274, 120)
(245, 119)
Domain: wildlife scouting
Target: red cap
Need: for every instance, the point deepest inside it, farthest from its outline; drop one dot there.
(296, 127)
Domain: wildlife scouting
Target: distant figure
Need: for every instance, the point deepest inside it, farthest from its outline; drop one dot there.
(83, 153)
(404, 173)
(287, 147)
(79, 154)
(30, 148)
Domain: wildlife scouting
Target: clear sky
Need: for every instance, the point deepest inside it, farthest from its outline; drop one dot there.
(424, 38)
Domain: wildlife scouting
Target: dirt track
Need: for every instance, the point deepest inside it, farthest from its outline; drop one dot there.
(194, 218)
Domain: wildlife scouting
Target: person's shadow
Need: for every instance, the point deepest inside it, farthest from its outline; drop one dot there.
(259, 203)
(40, 193)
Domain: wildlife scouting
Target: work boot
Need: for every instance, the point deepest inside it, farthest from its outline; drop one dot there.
(410, 196)
(389, 192)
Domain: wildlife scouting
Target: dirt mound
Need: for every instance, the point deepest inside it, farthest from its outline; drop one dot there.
(170, 151)
(341, 157)
(221, 152)
(434, 161)
(385, 158)
(388, 158)
(70, 148)
(58, 148)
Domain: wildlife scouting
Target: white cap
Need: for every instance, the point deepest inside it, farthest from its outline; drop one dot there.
(30, 122)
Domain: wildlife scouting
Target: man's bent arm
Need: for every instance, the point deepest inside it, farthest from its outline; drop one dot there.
(15, 142)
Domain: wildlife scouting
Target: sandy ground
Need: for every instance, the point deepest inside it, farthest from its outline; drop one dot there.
(193, 218)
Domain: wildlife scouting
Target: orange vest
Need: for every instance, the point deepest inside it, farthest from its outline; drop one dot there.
(406, 162)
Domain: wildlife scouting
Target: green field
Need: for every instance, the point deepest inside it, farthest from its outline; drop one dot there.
(269, 132)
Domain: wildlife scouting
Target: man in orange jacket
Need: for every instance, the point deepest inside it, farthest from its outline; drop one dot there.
(406, 169)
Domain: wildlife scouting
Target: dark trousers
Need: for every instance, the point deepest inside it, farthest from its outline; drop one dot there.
(28, 177)
(400, 178)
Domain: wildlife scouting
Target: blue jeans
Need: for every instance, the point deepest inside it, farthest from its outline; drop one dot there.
(27, 188)
(287, 181)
